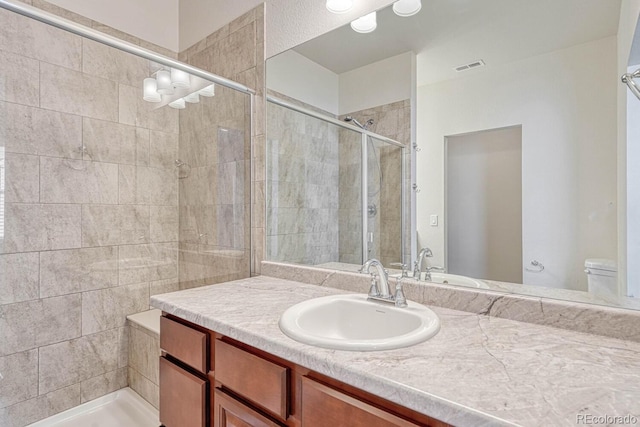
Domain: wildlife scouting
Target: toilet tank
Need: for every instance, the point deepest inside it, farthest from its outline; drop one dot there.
(602, 276)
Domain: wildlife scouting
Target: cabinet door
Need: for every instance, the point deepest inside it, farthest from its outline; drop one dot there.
(229, 412)
(183, 397)
(323, 406)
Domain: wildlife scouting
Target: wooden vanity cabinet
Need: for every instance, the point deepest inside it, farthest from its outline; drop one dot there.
(185, 374)
(252, 388)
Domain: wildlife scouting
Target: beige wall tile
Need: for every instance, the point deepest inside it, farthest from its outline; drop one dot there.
(144, 352)
(146, 263)
(30, 227)
(115, 33)
(109, 142)
(21, 178)
(145, 388)
(19, 277)
(73, 361)
(43, 42)
(106, 225)
(43, 406)
(163, 286)
(76, 270)
(100, 385)
(31, 130)
(113, 64)
(163, 150)
(164, 223)
(106, 309)
(137, 112)
(20, 79)
(30, 324)
(74, 92)
(64, 13)
(77, 181)
(20, 377)
(147, 186)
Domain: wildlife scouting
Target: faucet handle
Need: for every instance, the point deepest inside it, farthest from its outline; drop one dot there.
(401, 300)
(404, 267)
(373, 290)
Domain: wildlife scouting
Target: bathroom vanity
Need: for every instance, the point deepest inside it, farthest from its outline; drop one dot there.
(247, 386)
(226, 363)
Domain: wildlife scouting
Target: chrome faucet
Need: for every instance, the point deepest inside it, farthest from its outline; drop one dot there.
(417, 265)
(382, 289)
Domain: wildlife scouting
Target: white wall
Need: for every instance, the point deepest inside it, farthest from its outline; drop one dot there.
(296, 76)
(380, 83)
(566, 104)
(288, 22)
(155, 21)
(629, 11)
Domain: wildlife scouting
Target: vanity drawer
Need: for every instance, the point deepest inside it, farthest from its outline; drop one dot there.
(183, 397)
(185, 344)
(324, 406)
(254, 378)
(229, 412)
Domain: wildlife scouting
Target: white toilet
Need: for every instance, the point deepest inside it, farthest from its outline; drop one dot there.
(602, 276)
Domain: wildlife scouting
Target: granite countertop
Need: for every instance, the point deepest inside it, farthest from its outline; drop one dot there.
(477, 371)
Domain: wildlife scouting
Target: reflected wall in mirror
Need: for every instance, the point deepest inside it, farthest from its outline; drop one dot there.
(523, 172)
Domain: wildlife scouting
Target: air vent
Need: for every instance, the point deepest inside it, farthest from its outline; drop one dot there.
(469, 66)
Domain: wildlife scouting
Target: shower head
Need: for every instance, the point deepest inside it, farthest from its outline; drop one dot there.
(360, 125)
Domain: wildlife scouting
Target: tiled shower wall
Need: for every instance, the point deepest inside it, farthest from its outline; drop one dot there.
(393, 121)
(215, 190)
(237, 52)
(303, 178)
(89, 215)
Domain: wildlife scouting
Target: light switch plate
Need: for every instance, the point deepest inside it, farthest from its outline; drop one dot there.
(433, 221)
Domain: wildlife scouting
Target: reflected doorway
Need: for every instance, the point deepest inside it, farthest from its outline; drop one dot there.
(483, 199)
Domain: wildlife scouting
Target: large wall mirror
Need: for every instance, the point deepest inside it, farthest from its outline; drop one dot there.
(523, 138)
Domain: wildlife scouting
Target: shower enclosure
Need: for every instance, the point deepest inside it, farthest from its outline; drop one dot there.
(108, 194)
(336, 193)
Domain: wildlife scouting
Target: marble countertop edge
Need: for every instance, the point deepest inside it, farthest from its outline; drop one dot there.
(312, 358)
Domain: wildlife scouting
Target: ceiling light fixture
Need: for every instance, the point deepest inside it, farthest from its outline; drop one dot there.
(339, 6)
(150, 90)
(165, 87)
(406, 8)
(178, 104)
(365, 24)
(208, 91)
(192, 98)
(180, 79)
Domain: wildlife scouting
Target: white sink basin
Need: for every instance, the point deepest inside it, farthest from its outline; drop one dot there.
(351, 322)
(453, 279)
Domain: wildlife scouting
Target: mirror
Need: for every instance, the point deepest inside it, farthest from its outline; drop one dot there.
(520, 165)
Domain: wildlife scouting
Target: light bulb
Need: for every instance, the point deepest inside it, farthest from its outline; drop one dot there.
(192, 98)
(208, 91)
(406, 8)
(178, 104)
(180, 79)
(150, 90)
(365, 24)
(165, 87)
(339, 6)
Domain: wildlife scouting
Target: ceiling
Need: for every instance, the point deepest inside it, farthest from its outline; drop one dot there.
(448, 33)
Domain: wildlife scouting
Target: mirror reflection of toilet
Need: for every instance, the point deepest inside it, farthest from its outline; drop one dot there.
(601, 276)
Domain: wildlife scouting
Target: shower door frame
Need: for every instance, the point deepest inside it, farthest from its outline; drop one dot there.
(364, 135)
